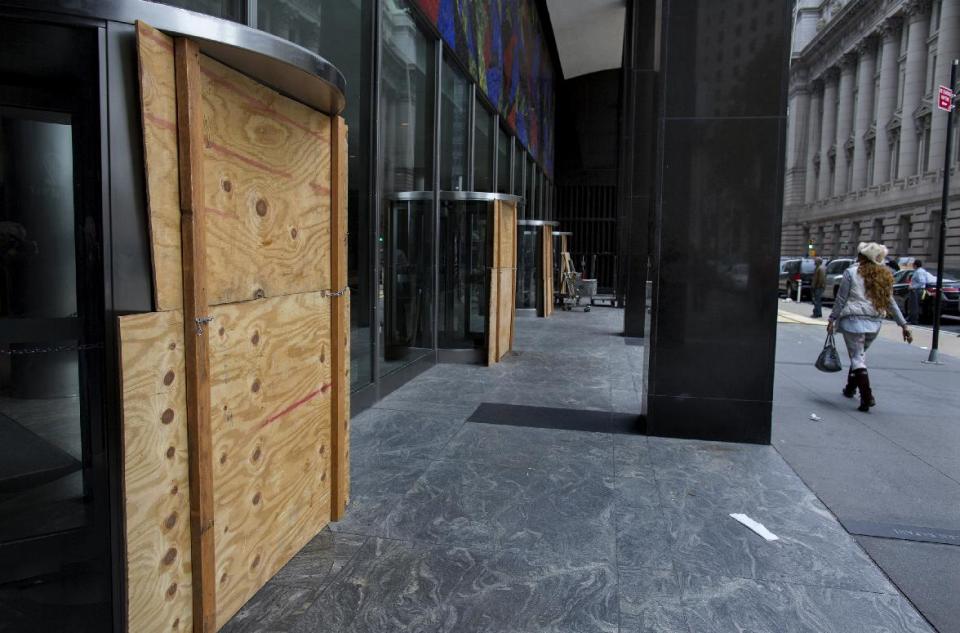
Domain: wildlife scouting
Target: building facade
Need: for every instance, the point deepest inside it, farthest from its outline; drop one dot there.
(866, 141)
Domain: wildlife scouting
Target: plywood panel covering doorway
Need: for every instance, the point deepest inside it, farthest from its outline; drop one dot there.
(546, 270)
(246, 197)
(503, 281)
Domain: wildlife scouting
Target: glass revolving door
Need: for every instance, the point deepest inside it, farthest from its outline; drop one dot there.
(406, 245)
(463, 266)
(527, 242)
(532, 269)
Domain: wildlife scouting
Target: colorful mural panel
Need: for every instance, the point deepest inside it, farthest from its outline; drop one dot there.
(502, 43)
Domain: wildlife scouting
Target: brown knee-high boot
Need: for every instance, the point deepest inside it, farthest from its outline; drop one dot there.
(851, 389)
(866, 394)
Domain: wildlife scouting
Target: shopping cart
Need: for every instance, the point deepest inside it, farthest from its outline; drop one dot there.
(585, 289)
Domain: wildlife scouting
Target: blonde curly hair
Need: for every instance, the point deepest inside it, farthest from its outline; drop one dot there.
(878, 283)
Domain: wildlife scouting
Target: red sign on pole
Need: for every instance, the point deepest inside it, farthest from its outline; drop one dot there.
(945, 100)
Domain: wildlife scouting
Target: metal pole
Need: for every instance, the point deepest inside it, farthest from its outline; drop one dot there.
(944, 208)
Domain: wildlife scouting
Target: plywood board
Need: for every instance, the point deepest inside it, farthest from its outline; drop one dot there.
(506, 291)
(507, 234)
(546, 269)
(270, 366)
(194, 265)
(493, 319)
(158, 103)
(340, 323)
(155, 473)
(267, 178)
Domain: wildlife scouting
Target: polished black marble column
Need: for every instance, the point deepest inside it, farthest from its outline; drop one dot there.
(719, 192)
(637, 158)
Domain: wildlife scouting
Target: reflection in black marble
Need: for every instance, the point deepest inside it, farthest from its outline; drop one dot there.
(717, 219)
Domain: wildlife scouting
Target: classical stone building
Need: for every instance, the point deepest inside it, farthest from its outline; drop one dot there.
(866, 142)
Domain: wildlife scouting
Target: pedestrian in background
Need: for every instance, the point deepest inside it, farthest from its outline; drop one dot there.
(918, 286)
(819, 285)
(865, 297)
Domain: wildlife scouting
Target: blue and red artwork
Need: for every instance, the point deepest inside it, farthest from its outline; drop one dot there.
(503, 44)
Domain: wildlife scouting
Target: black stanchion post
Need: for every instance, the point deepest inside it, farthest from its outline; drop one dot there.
(944, 209)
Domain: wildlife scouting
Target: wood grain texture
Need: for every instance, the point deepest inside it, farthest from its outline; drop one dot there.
(156, 488)
(194, 265)
(493, 318)
(158, 104)
(340, 323)
(267, 190)
(546, 270)
(503, 274)
(271, 390)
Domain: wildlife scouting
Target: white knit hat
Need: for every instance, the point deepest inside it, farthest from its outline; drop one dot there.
(876, 253)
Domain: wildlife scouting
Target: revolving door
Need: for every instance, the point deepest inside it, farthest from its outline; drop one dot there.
(475, 276)
(535, 266)
(407, 283)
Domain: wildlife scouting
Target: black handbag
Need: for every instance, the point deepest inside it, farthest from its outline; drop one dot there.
(829, 359)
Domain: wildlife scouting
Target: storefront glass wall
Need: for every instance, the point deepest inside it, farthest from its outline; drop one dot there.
(406, 118)
(483, 149)
(454, 128)
(504, 146)
(391, 266)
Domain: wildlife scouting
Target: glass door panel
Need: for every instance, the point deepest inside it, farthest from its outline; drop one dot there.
(407, 273)
(464, 274)
(528, 236)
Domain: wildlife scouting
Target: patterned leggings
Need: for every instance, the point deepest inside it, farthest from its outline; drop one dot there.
(857, 346)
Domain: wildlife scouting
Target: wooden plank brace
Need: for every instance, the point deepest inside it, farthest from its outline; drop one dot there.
(339, 322)
(195, 317)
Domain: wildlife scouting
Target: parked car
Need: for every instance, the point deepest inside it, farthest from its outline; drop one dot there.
(797, 271)
(834, 275)
(782, 284)
(951, 294)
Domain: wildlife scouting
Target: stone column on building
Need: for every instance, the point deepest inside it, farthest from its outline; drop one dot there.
(828, 130)
(813, 141)
(914, 84)
(863, 116)
(948, 49)
(848, 72)
(886, 96)
(797, 123)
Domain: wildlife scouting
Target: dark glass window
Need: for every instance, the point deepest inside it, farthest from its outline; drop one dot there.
(229, 9)
(503, 162)
(483, 149)
(454, 128)
(519, 163)
(407, 90)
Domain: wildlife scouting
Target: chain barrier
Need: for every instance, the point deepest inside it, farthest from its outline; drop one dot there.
(50, 350)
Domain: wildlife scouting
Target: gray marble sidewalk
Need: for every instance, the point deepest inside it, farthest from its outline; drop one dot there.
(463, 526)
(899, 464)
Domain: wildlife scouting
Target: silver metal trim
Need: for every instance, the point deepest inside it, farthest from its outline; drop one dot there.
(559, 233)
(466, 196)
(538, 223)
(284, 66)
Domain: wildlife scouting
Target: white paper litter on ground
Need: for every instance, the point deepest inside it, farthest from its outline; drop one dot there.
(815, 417)
(756, 527)
(924, 347)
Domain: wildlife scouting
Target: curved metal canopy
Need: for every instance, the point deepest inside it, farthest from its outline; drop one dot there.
(274, 61)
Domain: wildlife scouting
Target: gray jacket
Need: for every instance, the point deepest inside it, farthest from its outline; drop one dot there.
(852, 301)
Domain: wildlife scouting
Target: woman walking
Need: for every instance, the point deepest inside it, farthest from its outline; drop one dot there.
(865, 297)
